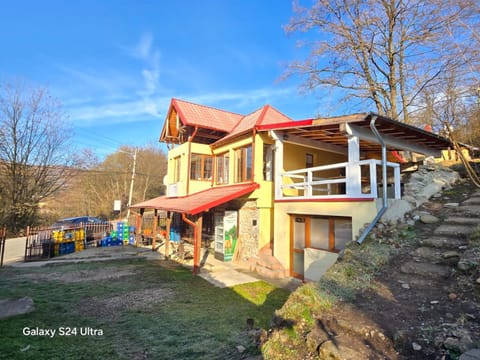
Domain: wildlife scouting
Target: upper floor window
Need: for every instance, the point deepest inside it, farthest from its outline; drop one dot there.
(243, 164)
(222, 165)
(201, 167)
(176, 168)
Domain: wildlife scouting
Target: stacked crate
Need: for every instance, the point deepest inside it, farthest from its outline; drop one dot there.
(65, 242)
(131, 235)
(79, 236)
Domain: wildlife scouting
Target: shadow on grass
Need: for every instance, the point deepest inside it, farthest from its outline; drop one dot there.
(158, 312)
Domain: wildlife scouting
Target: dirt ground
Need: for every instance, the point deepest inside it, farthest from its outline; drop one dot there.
(430, 312)
(421, 317)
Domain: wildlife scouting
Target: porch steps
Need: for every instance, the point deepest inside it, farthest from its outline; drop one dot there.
(267, 265)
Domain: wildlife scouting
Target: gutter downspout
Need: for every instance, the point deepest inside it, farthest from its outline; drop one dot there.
(253, 154)
(384, 181)
(196, 270)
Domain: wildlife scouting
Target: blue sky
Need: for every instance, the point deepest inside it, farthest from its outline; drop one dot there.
(115, 65)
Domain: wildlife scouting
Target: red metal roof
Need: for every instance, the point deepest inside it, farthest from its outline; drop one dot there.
(265, 116)
(200, 201)
(205, 116)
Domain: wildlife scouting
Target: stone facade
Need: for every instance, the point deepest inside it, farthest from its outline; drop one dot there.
(249, 223)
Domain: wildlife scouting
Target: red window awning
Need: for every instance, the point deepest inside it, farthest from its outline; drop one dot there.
(198, 202)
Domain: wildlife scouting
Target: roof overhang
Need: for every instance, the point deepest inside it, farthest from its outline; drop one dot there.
(201, 201)
(332, 133)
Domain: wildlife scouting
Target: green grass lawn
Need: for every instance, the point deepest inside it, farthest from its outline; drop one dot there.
(133, 309)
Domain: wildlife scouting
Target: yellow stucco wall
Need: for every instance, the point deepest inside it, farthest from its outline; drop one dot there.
(185, 183)
(295, 158)
(182, 152)
(361, 212)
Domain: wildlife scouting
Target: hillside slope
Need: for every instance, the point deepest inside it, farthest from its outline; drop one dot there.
(411, 291)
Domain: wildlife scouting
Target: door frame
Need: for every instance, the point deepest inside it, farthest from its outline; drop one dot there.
(307, 241)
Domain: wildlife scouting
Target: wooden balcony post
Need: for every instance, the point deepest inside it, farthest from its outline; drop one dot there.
(138, 225)
(167, 237)
(154, 229)
(197, 245)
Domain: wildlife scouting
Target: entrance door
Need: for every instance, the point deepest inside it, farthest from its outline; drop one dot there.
(298, 244)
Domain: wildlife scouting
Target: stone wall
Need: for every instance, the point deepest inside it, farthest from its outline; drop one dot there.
(422, 184)
(249, 222)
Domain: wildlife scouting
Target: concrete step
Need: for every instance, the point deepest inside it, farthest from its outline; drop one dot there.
(437, 255)
(443, 242)
(475, 200)
(426, 269)
(453, 230)
(462, 220)
(472, 210)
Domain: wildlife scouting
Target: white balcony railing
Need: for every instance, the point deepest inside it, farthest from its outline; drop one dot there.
(338, 181)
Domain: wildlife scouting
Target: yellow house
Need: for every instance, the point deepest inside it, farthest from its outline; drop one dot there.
(285, 196)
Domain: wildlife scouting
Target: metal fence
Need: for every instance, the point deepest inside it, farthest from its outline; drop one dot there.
(45, 243)
(3, 239)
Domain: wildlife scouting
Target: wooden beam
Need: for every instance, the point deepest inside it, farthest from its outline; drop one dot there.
(154, 229)
(390, 141)
(138, 225)
(197, 245)
(294, 139)
(167, 237)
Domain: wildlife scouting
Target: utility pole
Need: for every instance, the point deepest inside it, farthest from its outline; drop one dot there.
(131, 182)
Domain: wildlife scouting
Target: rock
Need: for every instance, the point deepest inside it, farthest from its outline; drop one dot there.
(416, 347)
(478, 281)
(450, 254)
(330, 350)
(406, 286)
(13, 307)
(472, 354)
(451, 205)
(452, 296)
(241, 349)
(425, 269)
(466, 265)
(429, 219)
(460, 342)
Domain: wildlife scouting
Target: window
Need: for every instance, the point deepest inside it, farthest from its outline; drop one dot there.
(222, 164)
(309, 160)
(243, 164)
(200, 167)
(267, 162)
(329, 233)
(176, 169)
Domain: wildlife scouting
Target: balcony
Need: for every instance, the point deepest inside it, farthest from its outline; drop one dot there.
(339, 181)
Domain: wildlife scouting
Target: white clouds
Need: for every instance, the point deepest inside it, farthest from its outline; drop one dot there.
(150, 56)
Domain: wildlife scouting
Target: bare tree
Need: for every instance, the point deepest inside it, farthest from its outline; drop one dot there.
(99, 183)
(386, 52)
(34, 152)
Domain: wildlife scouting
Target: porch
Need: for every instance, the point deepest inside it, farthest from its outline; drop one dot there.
(351, 181)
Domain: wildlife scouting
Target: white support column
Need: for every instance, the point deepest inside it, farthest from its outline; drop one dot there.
(353, 173)
(373, 179)
(309, 189)
(278, 164)
(398, 189)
